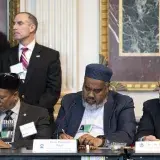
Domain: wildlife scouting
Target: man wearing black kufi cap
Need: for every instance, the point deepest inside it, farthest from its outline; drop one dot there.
(14, 114)
(97, 116)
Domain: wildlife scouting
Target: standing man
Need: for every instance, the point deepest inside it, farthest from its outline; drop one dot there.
(38, 66)
(97, 116)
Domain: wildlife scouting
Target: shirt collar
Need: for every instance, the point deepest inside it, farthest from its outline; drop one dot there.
(16, 108)
(30, 46)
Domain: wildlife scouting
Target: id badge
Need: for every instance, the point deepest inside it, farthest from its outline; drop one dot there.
(28, 129)
(4, 134)
(86, 128)
(17, 68)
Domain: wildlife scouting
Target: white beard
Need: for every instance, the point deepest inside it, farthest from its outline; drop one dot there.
(92, 107)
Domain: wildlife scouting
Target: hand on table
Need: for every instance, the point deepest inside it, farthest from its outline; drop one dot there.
(65, 136)
(150, 138)
(90, 140)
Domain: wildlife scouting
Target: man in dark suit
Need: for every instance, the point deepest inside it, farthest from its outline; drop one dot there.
(149, 129)
(15, 115)
(97, 116)
(38, 66)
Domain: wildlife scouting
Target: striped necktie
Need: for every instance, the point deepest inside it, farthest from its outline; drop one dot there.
(7, 127)
(23, 58)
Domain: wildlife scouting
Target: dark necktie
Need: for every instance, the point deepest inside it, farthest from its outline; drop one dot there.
(23, 58)
(8, 115)
(7, 127)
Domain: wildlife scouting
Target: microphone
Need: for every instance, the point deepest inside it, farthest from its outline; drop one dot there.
(63, 118)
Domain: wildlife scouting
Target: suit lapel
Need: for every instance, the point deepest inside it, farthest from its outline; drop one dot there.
(108, 112)
(22, 119)
(78, 111)
(33, 59)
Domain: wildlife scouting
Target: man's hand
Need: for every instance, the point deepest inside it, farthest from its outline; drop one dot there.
(4, 145)
(90, 140)
(150, 138)
(65, 136)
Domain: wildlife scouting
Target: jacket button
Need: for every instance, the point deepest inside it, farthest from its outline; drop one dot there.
(23, 96)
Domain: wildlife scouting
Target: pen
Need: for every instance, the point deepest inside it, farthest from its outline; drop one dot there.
(63, 131)
(66, 135)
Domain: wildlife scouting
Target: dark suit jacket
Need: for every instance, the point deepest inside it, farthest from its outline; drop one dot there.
(149, 123)
(27, 114)
(119, 117)
(43, 80)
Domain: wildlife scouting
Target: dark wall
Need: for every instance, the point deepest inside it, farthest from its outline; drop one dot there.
(3, 16)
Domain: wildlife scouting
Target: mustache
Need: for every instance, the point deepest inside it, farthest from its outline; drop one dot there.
(91, 98)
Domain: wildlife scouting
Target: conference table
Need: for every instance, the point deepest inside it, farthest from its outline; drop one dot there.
(144, 156)
(24, 154)
(107, 154)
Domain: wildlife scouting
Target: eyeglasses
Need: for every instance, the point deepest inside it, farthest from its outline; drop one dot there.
(12, 75)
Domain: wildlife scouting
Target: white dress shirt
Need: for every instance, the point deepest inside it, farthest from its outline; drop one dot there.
(14, 117)
(93, 118)
(28, 54)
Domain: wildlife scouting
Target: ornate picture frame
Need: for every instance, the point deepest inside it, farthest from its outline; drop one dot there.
(106, 56)
(14, 8)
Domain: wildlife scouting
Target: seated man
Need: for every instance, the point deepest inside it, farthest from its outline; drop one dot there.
(14, 114)
(149, 129)
(97, 115)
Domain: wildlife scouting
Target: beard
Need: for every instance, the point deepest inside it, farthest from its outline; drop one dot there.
(94, 106)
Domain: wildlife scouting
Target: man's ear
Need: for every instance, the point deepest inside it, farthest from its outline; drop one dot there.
(16, 94)
(107, 84)
(32, 28)
(107, 87)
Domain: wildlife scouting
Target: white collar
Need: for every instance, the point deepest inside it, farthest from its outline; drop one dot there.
(16, 108)
(30, 46)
